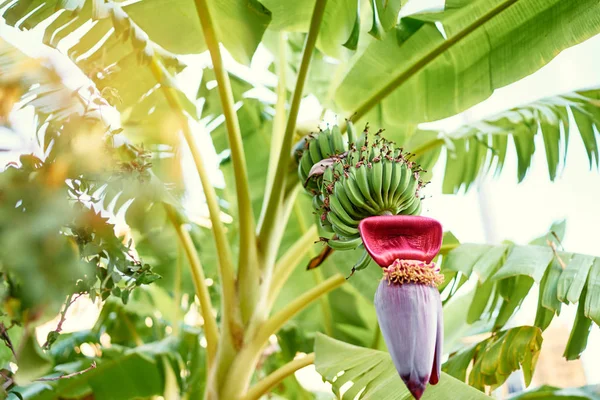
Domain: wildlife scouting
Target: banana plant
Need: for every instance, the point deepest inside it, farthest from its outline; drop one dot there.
(241, 318)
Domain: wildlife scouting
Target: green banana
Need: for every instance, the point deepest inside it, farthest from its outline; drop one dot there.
(351, 132)
(388, 172)
(363, 261)
(337, 140)
(408, 194)
(317, 203)
(404, 181)
(326, 225)
(340, 227)
(338, 244)
(324, 145)
(414, 208)
(337, 208)
(342, 196)
(363, 184)
(376, 179)
(356, 197)
(313, 149)
(353, 157)
(328, 176)
(396, 179)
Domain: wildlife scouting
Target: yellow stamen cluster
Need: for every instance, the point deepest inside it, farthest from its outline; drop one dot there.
(413, 271)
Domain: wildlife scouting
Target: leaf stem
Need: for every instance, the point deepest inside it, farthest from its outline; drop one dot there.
(210, 323)
(270, 213)
(244, 364)
(317, 275)
(226, 270)
(372, 101)
(177, 290)
(289, 261)
(248, 276)
(280, 113)
(267, 383)
(425, 147)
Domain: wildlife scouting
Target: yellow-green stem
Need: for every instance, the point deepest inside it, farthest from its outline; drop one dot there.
(318, 278)
(280, 113)
(270, 213)
(266, 384)
(177, 290)
(263, 309)
(427, 146)
(243, 366)
(210, 323)
(289, 261)
(248, 276)
(372, 101)
(226, 270)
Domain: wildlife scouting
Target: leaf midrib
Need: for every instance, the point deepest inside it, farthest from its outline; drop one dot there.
(427, 59)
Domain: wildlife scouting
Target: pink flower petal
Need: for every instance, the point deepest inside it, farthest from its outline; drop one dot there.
(404, 237)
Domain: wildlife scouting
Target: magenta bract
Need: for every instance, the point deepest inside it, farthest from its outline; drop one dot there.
(404, 237)
(408, 304)
(410, 318)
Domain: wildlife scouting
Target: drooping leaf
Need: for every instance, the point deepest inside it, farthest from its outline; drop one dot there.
(573, 278)
(579, 334)
(592, 301)
(548, 116)
(525, 260)
(494, 359)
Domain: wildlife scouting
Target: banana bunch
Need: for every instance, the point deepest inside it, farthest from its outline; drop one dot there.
(315, 148)
(372, 177)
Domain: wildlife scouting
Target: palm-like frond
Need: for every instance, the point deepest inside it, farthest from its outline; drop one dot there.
(482, 146)
(25, 78)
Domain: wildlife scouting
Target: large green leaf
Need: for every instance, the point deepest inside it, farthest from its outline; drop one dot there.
(486, 44)
(373, 371)
(239, 24)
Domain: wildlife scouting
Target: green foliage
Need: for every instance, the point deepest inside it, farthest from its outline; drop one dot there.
(482, 146)
(471, 66)
(547, 392)
(494, 359)
(140, 371)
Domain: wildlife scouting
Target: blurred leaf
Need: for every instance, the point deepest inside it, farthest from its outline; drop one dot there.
(33, 362)
(546, 392)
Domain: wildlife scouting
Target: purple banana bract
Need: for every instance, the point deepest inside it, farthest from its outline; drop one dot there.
(408, 304)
